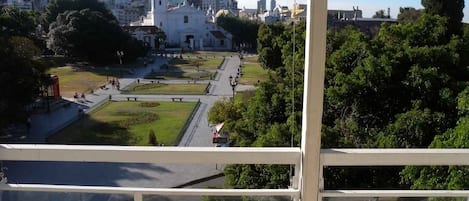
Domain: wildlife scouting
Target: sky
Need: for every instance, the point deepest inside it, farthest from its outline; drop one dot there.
(369, 7)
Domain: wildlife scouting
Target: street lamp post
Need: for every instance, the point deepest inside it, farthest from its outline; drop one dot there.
(120, 54)
(233, 83)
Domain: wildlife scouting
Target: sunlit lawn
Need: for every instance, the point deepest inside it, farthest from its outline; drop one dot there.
(128, 123)
(251, 59)
(252, 72)
(73, 79)
(209, 53)
(201, 75)
(191, 63)
(186, 89)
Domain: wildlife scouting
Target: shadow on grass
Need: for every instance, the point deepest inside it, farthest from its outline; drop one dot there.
(88, 131)
(179, 74)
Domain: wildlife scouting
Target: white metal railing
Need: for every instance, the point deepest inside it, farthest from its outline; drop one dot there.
(131, 154)
(202, 155)
(393, 157)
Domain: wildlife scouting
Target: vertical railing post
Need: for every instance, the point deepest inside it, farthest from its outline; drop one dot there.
(138, 196)
(315, 60)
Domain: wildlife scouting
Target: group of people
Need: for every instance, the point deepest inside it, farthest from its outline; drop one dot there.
(115, 83)
(80, 97)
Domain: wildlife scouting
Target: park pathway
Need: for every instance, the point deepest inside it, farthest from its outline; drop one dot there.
(198, 134)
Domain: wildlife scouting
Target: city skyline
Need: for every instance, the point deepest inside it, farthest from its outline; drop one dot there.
(369, 7)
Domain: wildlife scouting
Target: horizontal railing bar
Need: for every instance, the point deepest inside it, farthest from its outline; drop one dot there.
(394, 157)
(394, 193)
(133, 154)
(149, 191)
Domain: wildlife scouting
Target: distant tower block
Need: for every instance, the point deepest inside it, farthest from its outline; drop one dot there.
(273, 4)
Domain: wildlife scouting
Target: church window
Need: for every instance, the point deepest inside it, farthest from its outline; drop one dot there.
(186, 19)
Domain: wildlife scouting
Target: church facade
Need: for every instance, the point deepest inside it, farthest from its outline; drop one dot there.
(186, 26)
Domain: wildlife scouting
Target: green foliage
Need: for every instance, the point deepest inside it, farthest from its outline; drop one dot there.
(270, 118)
(397, 89)
(56, 7)
(452, 10)
(14, 22)
(270, 45)
(244, 31)
(85, 34)
(222, 111)
(20, 74)
(380, 14)
(379, 94)
(408, 14)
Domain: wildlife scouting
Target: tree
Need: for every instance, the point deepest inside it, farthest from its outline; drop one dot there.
(381, 14)
(452, 10)
(447, 178)
(244, 31)
(20, 73)
(76, 34)
(55, 7)
(270, 45)
(408, 14)
(270, 118)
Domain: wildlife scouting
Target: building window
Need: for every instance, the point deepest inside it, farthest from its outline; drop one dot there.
(161, 24)
(160, 2)
(186, 19)
(222, 42)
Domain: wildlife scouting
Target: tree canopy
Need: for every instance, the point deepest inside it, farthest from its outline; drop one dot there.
(85, 34)
(244, 31)
(377, 94)
(55, 7)
(452, 10)
(20, 72)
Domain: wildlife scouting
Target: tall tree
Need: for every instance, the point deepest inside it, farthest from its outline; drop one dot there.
(55, 7)
(408, 14)
(85, 34)
(381, 14)
(271, 117)
(270, 45)
(244, 31)
(453, 10)
(20, 73)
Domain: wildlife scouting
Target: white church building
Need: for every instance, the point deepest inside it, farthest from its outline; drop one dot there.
(186, 26)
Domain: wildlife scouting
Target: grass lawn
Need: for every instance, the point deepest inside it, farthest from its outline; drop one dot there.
(191, 63)
(128, 123)
(201, 75)
(244, 96)
(82, 79)
(186, 89)
(252, 72)
(251, 59)
(209, 53)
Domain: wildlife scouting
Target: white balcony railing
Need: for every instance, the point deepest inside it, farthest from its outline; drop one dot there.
(308, 160)
(198, 155)
(172, 155)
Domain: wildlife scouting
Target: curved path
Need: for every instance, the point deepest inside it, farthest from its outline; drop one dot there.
(118, 174)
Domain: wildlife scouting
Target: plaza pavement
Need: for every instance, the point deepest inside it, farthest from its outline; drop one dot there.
(117, 174)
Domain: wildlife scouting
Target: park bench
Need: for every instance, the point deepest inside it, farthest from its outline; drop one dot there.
(174, 99)
(128, 98)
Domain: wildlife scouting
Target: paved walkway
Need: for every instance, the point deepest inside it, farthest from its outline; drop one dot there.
(118, 174)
